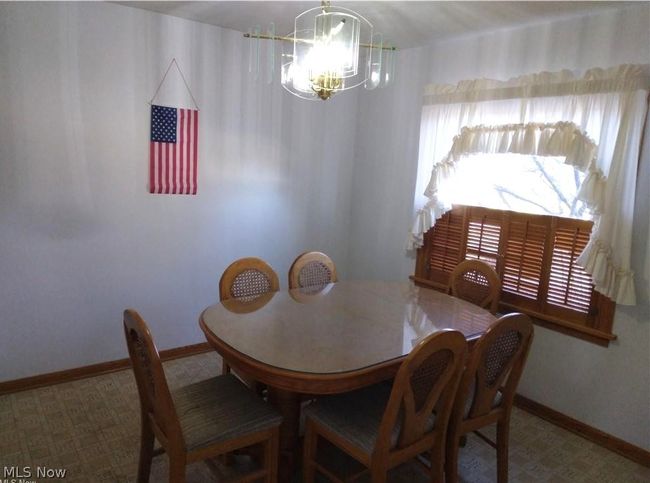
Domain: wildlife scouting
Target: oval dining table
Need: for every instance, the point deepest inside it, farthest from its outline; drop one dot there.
(330, 339)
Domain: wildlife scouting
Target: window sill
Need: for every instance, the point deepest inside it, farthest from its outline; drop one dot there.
(428, 283)
(588, 334)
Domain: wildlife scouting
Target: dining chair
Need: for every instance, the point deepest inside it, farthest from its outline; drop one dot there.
(380, 426)
(487, 389)
(198, 421)
(247, 279)
(311, 269)
(476, 282)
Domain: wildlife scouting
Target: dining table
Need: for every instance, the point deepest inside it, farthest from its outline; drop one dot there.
(338, 337)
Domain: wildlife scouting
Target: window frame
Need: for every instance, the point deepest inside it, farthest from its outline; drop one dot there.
(452, 234)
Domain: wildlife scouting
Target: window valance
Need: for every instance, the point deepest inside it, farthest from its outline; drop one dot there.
(622, 78)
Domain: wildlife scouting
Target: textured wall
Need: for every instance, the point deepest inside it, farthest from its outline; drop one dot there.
(80, 237)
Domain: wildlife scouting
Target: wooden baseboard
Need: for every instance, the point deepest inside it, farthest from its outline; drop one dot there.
(68, 375)
(612, 443)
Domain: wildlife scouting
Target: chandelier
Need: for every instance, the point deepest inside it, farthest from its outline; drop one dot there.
(331, 49)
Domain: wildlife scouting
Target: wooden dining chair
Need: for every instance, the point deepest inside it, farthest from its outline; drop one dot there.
(311, 269)
(198, 421)
(380, 426)
(476, 282)
(246, 279)
(487, 389)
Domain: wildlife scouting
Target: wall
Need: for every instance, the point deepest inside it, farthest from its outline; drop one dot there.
(606, 388)
(385, 169)
(80, 237)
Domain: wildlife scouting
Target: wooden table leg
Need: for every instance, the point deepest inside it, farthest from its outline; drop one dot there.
(288, 405)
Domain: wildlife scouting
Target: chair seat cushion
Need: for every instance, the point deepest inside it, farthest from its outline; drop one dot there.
(219, 409)
(498, 397)
(356, 416)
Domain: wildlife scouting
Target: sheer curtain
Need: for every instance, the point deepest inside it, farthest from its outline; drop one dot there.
(606, 106)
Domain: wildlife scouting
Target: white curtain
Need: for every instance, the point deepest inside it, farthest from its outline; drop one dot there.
(606, 106)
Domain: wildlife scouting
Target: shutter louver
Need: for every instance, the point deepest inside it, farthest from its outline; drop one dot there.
(524, 256)
(569, 285)
(483, 235)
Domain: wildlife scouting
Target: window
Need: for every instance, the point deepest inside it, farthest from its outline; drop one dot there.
(543, 185)
(594, 122)
(535, 257)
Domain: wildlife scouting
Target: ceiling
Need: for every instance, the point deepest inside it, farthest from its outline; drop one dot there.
(406, 24)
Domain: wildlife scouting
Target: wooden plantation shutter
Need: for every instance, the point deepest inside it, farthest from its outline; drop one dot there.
(524, 259)
(444, 247)
(569, 289)
(535, 257)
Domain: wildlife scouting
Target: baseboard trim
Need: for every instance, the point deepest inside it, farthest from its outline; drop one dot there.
(612, 443)
(67, 375)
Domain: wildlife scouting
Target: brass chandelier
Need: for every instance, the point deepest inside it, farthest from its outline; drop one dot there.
(332, 49)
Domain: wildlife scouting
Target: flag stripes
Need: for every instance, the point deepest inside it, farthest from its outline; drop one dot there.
(173, 160)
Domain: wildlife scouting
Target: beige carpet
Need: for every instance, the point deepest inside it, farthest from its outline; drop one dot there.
(91, 429)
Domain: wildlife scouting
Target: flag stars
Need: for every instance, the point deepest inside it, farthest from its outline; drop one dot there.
(163, 124)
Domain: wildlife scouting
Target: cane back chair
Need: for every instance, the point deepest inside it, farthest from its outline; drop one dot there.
(380, 426)
(476, 282)
(247, 279)
(487, 389)
(199, 421)
(311, 269)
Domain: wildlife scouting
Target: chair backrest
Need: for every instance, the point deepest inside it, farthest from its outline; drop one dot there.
(247, 277)
(495, 364)
(155, 399)
(427, 380)
(248, 304)
(476, 282)
(311, 269)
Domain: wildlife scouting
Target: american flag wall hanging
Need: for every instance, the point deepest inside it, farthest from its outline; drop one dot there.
(173, 153)
(173, 146)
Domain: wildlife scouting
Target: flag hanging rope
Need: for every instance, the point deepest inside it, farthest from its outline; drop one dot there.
(173, 62)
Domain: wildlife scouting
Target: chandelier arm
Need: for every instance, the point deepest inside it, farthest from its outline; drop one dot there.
(291, 39)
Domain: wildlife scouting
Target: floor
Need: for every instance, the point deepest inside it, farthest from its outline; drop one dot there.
(90, 428)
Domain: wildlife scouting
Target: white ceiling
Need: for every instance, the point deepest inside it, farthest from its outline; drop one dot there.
(406, 24)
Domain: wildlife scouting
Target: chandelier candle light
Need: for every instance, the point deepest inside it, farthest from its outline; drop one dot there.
(331, 49)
